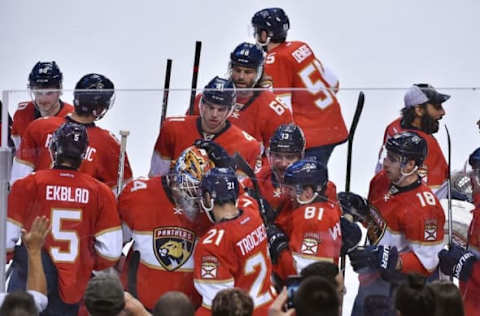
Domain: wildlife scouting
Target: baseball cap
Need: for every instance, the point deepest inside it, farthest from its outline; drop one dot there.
(104, 294)
(421, 93)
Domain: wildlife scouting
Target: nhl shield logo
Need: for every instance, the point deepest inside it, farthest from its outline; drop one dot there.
(173, 246)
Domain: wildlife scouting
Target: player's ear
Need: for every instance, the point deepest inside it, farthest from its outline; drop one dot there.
(410, 166)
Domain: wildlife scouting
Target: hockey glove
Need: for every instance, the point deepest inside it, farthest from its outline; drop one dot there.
(216, 153)
(457, 262)
(351, 235)
(377, 257)
(277, 242)
(354, 205)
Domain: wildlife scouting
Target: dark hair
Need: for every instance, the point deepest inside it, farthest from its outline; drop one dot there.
(174, 303)
(316, 296)
(409, 114)
(19, 303)
(448, 300)
(413, 298)
(325, 269)
(232, 302)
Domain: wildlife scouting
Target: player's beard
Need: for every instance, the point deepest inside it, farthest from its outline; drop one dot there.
(429, 124)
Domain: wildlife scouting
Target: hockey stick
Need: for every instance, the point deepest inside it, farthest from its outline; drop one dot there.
(166, 88)
(121, 160)
(449, 189)
(196, 65)
(353, 127)
(243, 166)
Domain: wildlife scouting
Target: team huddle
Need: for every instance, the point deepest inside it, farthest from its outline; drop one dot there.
(238, 193)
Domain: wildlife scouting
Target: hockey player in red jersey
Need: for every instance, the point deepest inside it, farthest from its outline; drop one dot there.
(233, 253)
(287, 145)
(292, 65)
(421, 113)
(45, 85)
(404, 219)
(93, 97)
(85, 233)
(312, 227)
(257, 112)
(216, 105)
(162, 216)
(463, 263)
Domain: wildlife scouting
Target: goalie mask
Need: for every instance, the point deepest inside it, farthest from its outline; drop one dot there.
(187, 173)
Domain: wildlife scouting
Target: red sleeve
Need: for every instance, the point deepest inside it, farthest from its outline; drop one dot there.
(107, 227)
(27, 152)
(165, 145)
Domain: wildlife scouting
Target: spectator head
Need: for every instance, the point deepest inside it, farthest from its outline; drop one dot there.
(448, 300)
(18, 303)
(104, 295)
(232, 302)
(413, 298)
(316, 296)
(173, 303)
(329, 271)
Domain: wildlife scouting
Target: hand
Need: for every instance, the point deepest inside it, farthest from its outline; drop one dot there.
(457, 262)
(351, 235)
(378, 257)
(35, 238)
(276, 309)
(355, 205)
(216, 153)
(133, 307)
(277, 242)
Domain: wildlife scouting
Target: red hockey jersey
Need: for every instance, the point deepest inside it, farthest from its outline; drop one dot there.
(316, 109)
(314, 233)
(101, 159)
(409, 218)
(179, 133)
(25, 114)
(163, 235)
(234, 253)
(259, 116)
(85, 227)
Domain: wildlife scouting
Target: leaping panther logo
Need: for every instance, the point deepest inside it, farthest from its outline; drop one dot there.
(173, 246)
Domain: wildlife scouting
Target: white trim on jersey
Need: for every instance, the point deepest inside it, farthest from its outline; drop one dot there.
(208, 289)
(109, 244)
(427, 254)
(13, 233)
(303, 261)
(19, 170)
(158, 165)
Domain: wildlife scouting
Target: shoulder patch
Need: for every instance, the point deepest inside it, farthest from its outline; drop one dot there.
(209, 267)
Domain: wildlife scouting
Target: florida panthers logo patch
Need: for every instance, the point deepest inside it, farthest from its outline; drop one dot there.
(310, 244)
(430, 232)
(209, 267)
(173, 246)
